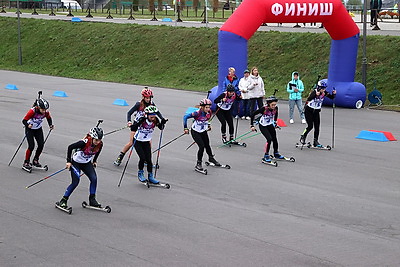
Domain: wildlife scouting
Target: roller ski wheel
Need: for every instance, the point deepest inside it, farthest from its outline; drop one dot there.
(272, 163)
(291, 159)
(105, 209)
(203, 171)
(43, 168)
(66, 209)
(219, 166)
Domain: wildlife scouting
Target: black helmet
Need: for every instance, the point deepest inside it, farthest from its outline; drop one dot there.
(96, 133)
(230, 88)
(272, 99)
(42, 103)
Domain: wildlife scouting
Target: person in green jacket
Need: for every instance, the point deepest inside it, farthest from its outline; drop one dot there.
(295, 88)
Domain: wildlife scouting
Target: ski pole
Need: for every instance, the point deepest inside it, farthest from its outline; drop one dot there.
(250, 136)
(237, 125)
(23, 139)
(117, 130)
(227, 143)
(47, 136)
(98, 122)
(164, 145)
(45, 178)
(158, 153)
(130, 153)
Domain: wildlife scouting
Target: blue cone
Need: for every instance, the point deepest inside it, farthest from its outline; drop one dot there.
(11, 87)
(76, 19)
(374, 136)
(167, 19)
(60, 94)
(120, 102)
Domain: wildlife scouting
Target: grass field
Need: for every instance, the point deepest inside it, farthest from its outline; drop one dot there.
(183, 58)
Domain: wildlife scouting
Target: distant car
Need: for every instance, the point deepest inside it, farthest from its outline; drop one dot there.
(74, 4)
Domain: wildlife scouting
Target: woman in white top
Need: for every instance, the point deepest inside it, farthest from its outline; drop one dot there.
(256, 90)
(244, 85)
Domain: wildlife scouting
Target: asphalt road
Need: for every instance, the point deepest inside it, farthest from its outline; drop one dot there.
(329, 208)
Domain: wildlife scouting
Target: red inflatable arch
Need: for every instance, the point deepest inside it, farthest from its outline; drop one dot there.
(251, 14)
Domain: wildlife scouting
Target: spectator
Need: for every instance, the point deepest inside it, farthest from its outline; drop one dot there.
(295, 89)
(244, 85)
(375, 6)
(256, 90)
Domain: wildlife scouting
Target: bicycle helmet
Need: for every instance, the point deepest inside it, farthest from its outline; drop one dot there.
(205, 102)
(42, 103)
(230, 88)
(146, 92)
(321, 85)
(271, 99)
(96, 133)
(151, 110)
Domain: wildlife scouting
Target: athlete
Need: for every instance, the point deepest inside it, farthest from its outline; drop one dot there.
(224, 102)
(82, 156)
(199, 130)
(33, 121)
(268, 126)
(142, 131)
(147, 95)
(312, 109)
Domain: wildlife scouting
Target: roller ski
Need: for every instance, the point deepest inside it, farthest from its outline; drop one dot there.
(94, 205)
(199, 168)
(267, 160)
(213, 162)
(278, 156)
(36, 165)
(27, 167)
(62, 205)
(238, 144)
(153, 182)
(317, 145)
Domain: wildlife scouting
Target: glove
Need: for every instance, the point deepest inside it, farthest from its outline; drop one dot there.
(164, 121)
(51, 127)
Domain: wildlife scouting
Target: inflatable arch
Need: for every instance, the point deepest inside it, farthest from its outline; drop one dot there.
(251, 14)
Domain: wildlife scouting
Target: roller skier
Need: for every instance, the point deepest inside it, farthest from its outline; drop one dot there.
(33, 121)
(312, 112)
(199, 133)
(224, 102)
(143, 130)
(84, 159)
(138, 109)
(268, 125)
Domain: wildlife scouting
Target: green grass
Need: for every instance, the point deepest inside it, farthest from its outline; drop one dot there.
(177, 57)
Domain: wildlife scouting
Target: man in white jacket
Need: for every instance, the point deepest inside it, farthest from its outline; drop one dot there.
(244, 85)
(256, 90)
